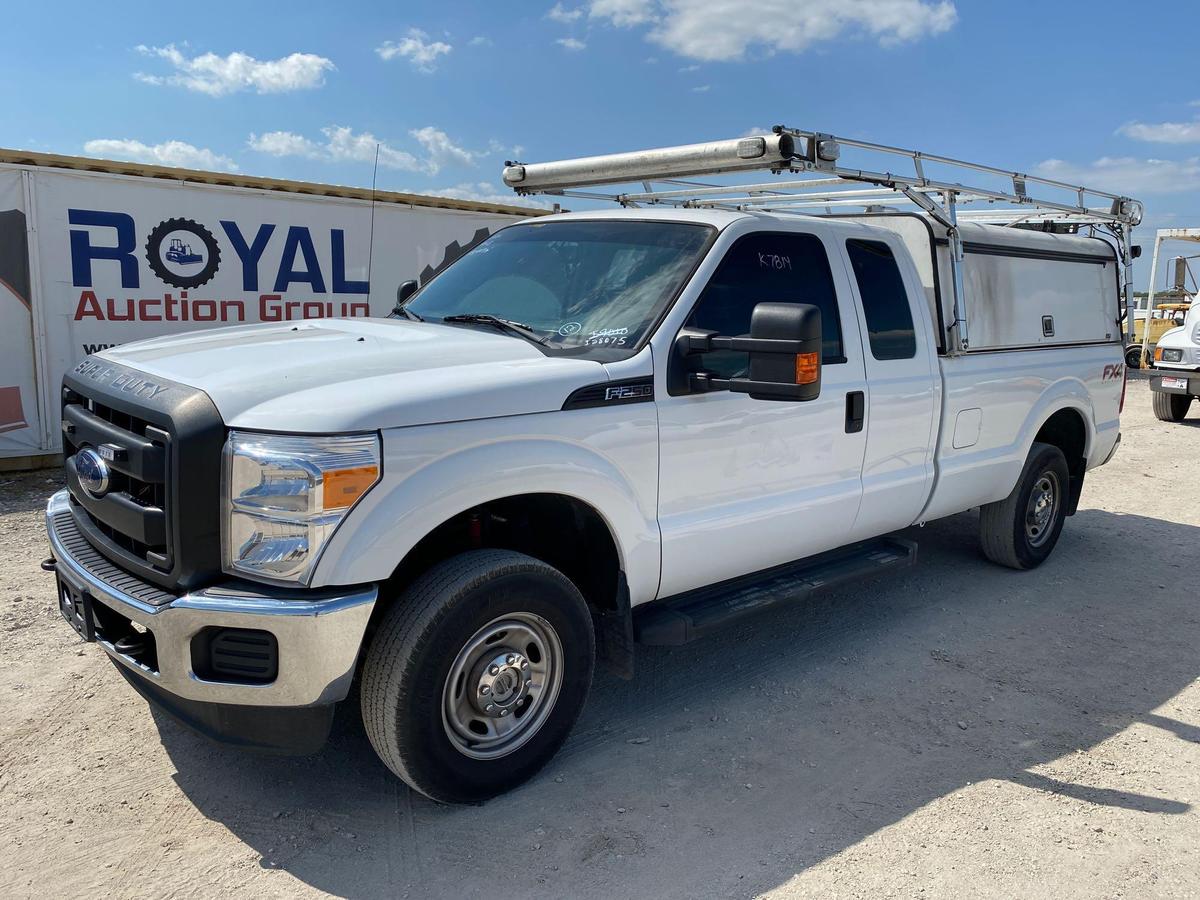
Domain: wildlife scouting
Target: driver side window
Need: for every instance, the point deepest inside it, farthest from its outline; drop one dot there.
(766, 266)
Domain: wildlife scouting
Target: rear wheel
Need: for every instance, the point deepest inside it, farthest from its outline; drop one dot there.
(1170, 407)
(477, 674)
(1021, 530)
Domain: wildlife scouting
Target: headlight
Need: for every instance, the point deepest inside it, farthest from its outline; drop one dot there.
(285, 495)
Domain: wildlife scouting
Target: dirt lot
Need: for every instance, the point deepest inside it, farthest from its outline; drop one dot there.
(959, 730)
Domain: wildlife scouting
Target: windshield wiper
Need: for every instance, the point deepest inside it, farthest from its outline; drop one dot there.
(517, 328)
(407, 313)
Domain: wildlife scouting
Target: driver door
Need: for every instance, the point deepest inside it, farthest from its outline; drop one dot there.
(747, 484)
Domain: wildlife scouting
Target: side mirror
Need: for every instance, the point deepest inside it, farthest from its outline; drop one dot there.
(785, 353)
(1180, 317)
(406, 290)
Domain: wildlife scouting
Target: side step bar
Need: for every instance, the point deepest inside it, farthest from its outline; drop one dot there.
(677, 620)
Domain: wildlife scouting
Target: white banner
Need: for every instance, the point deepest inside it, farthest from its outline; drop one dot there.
(124, 258)
(20, 428)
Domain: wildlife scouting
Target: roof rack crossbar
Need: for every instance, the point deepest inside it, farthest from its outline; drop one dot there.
(826, 184)
(816, 154)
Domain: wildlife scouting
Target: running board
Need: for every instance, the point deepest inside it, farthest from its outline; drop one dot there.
(685, 617)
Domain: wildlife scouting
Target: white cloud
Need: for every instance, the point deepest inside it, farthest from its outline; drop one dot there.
(417, 48)
(480, 40)
(571, 43)
(486, 192)
(624, 13)
(440, 150)
(1162, 132)
(559, 13)
(283, 143)
(712, 30)
(1126, 175)
(496, 147)
(692, 68)
(702, 88)
(342, 144)
(168, 153)
(220, 75)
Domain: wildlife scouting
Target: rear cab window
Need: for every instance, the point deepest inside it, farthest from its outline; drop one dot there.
(890, 329)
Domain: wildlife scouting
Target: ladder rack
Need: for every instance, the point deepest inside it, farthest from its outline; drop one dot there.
(811, 178)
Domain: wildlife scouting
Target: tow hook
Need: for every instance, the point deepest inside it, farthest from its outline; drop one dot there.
(49, 564)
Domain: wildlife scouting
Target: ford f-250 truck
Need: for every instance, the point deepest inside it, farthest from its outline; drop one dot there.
(594, 430)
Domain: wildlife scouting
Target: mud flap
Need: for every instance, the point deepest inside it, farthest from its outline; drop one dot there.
(1075, 488)
(614, 633)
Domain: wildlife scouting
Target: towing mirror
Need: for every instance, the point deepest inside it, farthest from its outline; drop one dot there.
(406, 290)
(784, 345)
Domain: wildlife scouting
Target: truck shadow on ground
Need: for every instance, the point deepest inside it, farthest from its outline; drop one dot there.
(729, 765)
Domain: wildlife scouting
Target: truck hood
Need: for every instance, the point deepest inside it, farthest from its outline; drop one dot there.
(332, 375)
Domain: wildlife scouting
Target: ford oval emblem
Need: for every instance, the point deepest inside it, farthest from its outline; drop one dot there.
(92, 471)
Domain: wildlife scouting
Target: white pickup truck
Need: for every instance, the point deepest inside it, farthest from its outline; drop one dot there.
(594, 430)
(1176, 381)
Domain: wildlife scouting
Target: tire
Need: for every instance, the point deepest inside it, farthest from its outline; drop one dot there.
(436, 650)
(1133, 356)
(1016, 531)
(155, 253)
(1170, 407)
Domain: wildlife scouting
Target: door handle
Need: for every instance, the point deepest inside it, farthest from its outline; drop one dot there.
(856, 411)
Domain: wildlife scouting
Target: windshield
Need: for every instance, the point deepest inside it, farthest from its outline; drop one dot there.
(588, 288)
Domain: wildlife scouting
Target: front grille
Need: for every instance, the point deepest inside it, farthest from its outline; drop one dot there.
(158, 516)
(131, 517)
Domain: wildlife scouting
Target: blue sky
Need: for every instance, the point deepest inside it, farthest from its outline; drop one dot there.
(1099, 92)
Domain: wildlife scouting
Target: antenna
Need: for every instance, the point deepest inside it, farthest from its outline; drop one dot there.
(371, 239)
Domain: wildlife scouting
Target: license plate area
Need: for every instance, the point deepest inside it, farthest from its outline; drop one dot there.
(1177, 383)
(76, 608)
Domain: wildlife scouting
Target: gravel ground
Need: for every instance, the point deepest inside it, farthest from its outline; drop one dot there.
(959, 730)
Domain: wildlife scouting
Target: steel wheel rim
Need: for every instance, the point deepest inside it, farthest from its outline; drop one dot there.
(1041, 509)
(502, 686)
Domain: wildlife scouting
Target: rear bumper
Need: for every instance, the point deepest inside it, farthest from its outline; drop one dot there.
(1192, 379)
(318, 634)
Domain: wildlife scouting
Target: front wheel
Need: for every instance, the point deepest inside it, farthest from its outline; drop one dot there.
(1021, 530)
(1170, 407)
(477, 674)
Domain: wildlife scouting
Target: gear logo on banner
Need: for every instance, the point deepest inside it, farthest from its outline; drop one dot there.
(183, 253)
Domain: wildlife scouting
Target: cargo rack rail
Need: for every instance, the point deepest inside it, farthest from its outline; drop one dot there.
(936, 186)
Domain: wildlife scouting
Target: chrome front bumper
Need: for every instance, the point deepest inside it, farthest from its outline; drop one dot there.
(318, 633)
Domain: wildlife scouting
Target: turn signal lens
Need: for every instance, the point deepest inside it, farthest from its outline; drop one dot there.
(806, 368)
(344, 486)
(1158, 354)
